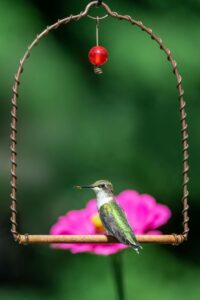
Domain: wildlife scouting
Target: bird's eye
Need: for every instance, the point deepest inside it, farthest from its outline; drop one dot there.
(102, 185)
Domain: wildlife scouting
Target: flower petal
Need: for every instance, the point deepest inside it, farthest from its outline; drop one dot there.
(108, 249)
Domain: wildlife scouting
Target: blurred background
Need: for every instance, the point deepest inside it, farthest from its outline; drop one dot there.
(75, 127)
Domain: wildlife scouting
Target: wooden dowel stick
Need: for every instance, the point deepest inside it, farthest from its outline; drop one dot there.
(159, 239)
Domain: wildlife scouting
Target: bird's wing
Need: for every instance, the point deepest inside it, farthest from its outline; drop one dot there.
(115, 222)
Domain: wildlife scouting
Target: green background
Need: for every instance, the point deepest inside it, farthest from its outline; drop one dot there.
(75, 127)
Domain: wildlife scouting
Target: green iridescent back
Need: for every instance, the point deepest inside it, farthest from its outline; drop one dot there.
(116, 223)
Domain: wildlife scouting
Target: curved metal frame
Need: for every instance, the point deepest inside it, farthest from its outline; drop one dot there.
(174, 239)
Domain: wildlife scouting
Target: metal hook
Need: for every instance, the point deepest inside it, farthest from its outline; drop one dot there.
(100, 18)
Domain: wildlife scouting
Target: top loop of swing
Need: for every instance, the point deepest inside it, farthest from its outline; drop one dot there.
(99, 3)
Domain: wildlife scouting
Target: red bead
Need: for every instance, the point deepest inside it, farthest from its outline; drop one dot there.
(98, 55)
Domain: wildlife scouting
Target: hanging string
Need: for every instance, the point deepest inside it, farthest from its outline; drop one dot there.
(97, 31)
(97, 69)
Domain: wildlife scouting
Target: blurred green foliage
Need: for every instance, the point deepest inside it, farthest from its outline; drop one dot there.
(75, 127)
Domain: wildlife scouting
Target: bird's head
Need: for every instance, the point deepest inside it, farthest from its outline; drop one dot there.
(99, 186)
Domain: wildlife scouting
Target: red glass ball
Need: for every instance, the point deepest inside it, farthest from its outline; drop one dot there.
(98, 55)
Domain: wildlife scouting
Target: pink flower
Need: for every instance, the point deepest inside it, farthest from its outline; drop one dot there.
(144, 214)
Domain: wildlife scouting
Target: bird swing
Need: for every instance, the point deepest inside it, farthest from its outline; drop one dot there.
(97, 56)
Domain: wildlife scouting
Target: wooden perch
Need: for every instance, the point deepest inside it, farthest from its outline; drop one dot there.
(174, 239)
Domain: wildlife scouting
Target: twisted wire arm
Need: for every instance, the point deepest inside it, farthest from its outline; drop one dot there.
(171, 239)
(183, 114)
(13, 136)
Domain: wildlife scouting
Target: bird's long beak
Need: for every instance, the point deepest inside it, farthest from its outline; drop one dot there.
(84, 187)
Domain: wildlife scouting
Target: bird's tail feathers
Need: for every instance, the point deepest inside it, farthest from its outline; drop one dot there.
(136, 246)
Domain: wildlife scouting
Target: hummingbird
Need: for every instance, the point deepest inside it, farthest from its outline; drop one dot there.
(112, 215)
